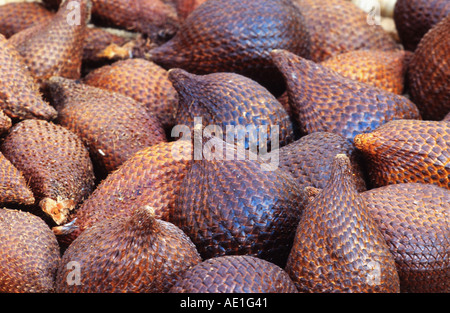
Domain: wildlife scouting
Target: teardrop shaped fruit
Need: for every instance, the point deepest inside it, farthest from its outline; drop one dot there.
(234, 204)
(338, 26)
(413, 218)
(236, 36)
(235, 274)
(309, 159)
(19, 93)
(382, 69)
(55, 163)
(55, 48)
(29, 253)
(235, 103)
(338, 246)
(152, 177)
(141, 80)
(407, 151)
(323, 100)
(133, 254)
(112, 126)
(429, 72)
(414, 18)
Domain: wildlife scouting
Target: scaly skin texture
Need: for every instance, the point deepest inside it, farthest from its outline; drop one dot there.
(236, 36)
(338, 246)
(29, 253)
(429, 72)
(54, 161)
(134, 254)
(407, 151)
(413, 218)
(141, 80)
(323, 100)
(414, 18)
(20, 97)
(113, 126)
(234, 274)
(5, 122)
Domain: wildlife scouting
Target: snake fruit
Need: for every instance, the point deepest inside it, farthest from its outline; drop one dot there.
(132, 254)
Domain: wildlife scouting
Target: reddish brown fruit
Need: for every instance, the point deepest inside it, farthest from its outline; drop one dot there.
(143, 81)
(429, 73)
(236, 36)
(323, 100)
(338, 246)
(112, 126)
(413, 218)
(29, 253)
(55, 163)
(19, 93)
(234, 274)
(407, 151)
(134, 254)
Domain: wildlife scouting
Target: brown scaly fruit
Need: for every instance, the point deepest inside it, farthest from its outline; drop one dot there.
(382, 69)
(55, 163)
(236, 36)
(55, 48)
(407, 151)
(112, 126)
(29, 253)
(323, 100)
(338, 246)
(429, 72)
(141, 80)
(414, 18)
(234, 274)
(339, 26)
(5, 122)
(229, 99)
(413, 218)
(152, 177)
(310, 159)
(20, 97)
(133, 254)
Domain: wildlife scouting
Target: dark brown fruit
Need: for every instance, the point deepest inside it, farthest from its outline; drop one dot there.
(407, 151)
(236, 36)
(234, 274)
(338, 246)
(150, 177)
(339, 26)
(429, 72)
(230, 101)
(141, 80)
(414, 18)
(323, 100)
(310, 159)
(55, 163)
(133, 254)
(19, 93)
(112, 126)
(29, 253)
(413, 218)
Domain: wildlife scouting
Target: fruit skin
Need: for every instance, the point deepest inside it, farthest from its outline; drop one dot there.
(20, 97)
(54, 161)
(236, 36)
(429, 72)
(5, 122)
(111, 125)
(414, 18)
(413, 218)
(234, 274)
(134, 254)
(29, 253)
(338, 246)
(323, 100)
(407, 151)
